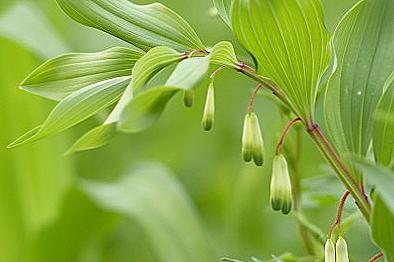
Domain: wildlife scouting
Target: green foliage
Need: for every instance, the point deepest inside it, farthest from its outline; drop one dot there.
(129, 89)
(146, 108)
(382, 222)
(61, 76)
(144, 26)
(224, 8)
(364, 50)
(76, 108)
(172, 225)
(383, 138)
(290, 44)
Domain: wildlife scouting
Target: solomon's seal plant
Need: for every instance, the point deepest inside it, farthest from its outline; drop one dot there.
(295, 58)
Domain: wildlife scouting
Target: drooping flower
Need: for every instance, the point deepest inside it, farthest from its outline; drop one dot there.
(209, 110)
(281, 193)
(341, 250)
(252, 140)
(329, 251)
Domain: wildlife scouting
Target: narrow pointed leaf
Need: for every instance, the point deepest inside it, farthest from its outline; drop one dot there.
(364, 48)
(77, 107)
(144, 26)
(383, 139)
(290, 43)
(59, 77)
(224, 7)
(95, 138)
(146, 108)
(101, 135)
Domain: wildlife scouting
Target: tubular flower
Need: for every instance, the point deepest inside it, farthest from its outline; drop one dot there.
(341, 250)
(252, 140)
(188, 98)
(329, 251)
(209, 110)
(281, 193)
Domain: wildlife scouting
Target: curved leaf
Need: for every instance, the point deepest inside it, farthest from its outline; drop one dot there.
(156, 59)
(144, 26)
(146, 108)
(60, 76)
(223, 7)
(364, 48)
(95, 138)
(383, 138)
(76, 108)
(290, 44)
(101, 135)
(223, 54)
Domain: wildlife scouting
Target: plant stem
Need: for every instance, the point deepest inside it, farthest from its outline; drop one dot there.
(376, 257)
(325, 147)
(283, 136)
(338, 218)
(253, 97)
(340, 168)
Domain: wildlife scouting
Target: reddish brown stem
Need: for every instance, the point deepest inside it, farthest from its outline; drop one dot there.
(376, 257)
(284, 134)
(253, 97)
(339, 214)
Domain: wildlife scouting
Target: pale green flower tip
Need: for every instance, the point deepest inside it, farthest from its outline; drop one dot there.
(246, 155)
(276, 203)
(207, 124)
(258, 159)
(341, 250)
(188, 98)
(329, 251)
(286, 207)
(281, 195)
(209, 110)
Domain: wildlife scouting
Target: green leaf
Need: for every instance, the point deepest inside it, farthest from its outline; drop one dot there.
(59, 77)
(223, 7)
(26, 24)
(76, 108)
(144, 26)
(156, 59)
(153, 198)
(223, 54)
(146, 108)
(101, 135)
(95, 138)
(383, 137)
(382, 219)
(364, 49)
(290, 43)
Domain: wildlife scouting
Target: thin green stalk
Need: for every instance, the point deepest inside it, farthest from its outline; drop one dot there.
(325, 147)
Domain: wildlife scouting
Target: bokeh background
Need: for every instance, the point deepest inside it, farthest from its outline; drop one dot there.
(173, 193)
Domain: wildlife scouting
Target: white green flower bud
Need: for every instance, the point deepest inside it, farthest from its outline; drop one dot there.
(247, 140)
(252, 140)
(341, 250)
(188, 98)
(209, 110)
(258, 144)
(281, 193)
(329, 251)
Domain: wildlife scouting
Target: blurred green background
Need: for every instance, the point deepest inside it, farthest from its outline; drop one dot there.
(173, 193)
